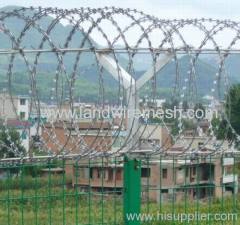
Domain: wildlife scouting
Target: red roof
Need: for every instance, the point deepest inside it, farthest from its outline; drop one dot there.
(18, 123)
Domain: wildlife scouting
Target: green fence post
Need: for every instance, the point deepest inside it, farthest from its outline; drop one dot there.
(132, 190)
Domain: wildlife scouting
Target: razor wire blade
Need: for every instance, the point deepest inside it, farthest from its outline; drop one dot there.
(63, 48)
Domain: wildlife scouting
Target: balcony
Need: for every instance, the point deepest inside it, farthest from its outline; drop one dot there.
(228, 161)
(229, 178)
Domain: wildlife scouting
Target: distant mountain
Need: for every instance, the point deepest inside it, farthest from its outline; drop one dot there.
(88, 74)
(231, 65)
(33, 38)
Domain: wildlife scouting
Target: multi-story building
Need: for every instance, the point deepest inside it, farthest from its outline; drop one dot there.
(102, 175)
(76, 137)
(164, 180)
(195, 179)
(14, 110)
(14, 107)
(154, 135)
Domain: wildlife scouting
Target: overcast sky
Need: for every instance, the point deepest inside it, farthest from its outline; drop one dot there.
(165, 9)
(229, 9)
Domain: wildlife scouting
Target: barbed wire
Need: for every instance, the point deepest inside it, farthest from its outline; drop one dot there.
(125, 34)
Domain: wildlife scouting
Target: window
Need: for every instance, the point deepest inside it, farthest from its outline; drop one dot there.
(24, 135)
(164, 191)
(83, 173)
(104, 174)
(228, 170)
(22, 115)
(91, 173)
(98, 173)
(22, 101)
(146, 172)
(200, 144)
(164, 173)
(194, 171)
(119, 174)
(101, 173)
(186, 172)
(110, 174)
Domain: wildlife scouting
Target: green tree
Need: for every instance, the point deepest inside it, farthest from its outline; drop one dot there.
(221, 128)
(232, 107)
(8, 140)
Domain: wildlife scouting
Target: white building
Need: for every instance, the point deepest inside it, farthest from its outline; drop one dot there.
(15, 111)
(14, 107)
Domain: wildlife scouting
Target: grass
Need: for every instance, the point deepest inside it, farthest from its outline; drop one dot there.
(40, 201)
(58, 204)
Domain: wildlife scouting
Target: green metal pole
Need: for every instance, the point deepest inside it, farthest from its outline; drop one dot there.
(132, 191)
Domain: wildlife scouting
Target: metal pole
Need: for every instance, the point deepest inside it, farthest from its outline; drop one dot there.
(132, 191)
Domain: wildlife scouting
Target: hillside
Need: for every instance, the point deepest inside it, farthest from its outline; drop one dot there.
(87, 76)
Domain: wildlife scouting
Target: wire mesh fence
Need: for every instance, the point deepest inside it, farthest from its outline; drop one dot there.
(91, 191)
(60, 192)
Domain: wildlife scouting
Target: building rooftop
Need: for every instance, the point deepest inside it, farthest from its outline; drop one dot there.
(15, 123)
